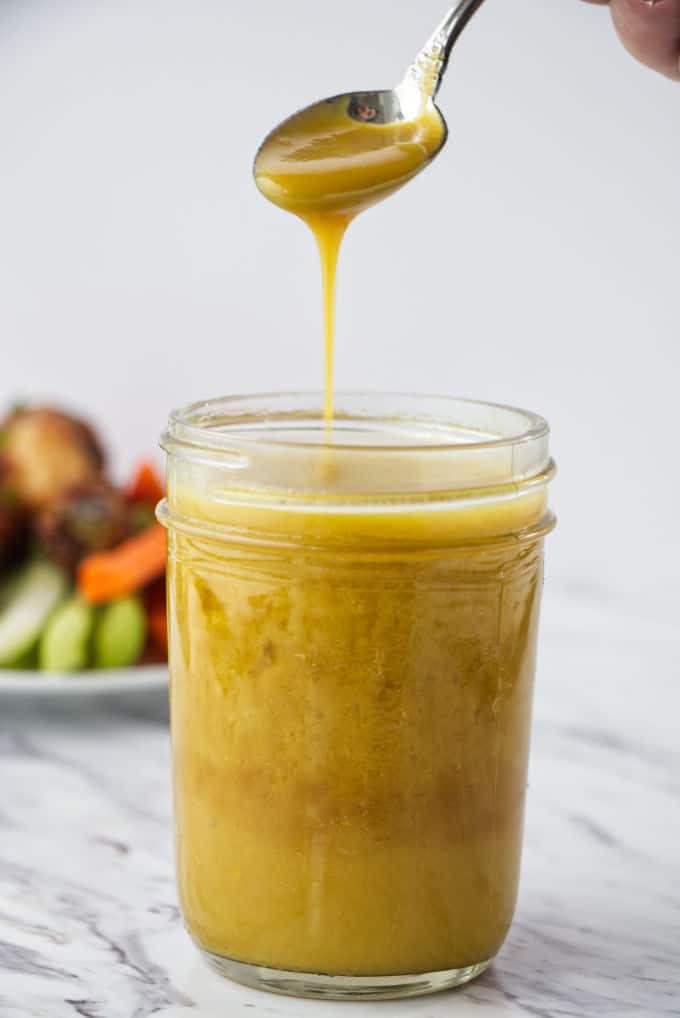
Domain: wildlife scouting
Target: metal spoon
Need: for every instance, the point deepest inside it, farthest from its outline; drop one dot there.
(423, 78)
(407, 102)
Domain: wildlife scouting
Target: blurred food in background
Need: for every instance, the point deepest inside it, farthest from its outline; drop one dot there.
(82, 561)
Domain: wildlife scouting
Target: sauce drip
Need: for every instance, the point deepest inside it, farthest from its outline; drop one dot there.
(326, 167)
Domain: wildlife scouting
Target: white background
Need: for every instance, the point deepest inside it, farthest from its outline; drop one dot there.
(536, 263)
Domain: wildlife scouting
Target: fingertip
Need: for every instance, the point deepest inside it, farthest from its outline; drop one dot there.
(650, 30)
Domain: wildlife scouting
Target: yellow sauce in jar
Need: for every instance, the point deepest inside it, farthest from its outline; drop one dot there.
(351, 697)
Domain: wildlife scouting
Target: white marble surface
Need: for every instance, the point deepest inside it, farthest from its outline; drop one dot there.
(88, 914)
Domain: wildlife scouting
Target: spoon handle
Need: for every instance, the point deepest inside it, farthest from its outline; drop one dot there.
(429, 67)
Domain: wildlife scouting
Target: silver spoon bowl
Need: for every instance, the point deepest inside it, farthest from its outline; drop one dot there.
(408, 100)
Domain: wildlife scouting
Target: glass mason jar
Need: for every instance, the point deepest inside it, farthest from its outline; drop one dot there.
(353, 617)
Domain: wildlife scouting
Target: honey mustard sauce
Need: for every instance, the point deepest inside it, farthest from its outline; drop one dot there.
(333, 161)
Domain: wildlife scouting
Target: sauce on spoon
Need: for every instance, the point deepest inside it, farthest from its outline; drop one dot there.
(333, 161)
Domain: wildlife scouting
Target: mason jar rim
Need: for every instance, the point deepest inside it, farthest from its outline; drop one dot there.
(215, 422)
(395, 445)
(272, 462)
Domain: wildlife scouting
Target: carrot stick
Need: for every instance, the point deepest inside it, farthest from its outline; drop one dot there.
(146, 485)
(131, 565)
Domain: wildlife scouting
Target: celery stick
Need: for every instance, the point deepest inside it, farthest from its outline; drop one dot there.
(120, 633)
(65, 641)
(26, 604)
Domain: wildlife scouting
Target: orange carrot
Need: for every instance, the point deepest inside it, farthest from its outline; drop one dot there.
(146, 485)
(106, 575)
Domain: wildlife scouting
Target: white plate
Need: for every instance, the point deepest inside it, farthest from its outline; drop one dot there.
(145, 678)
